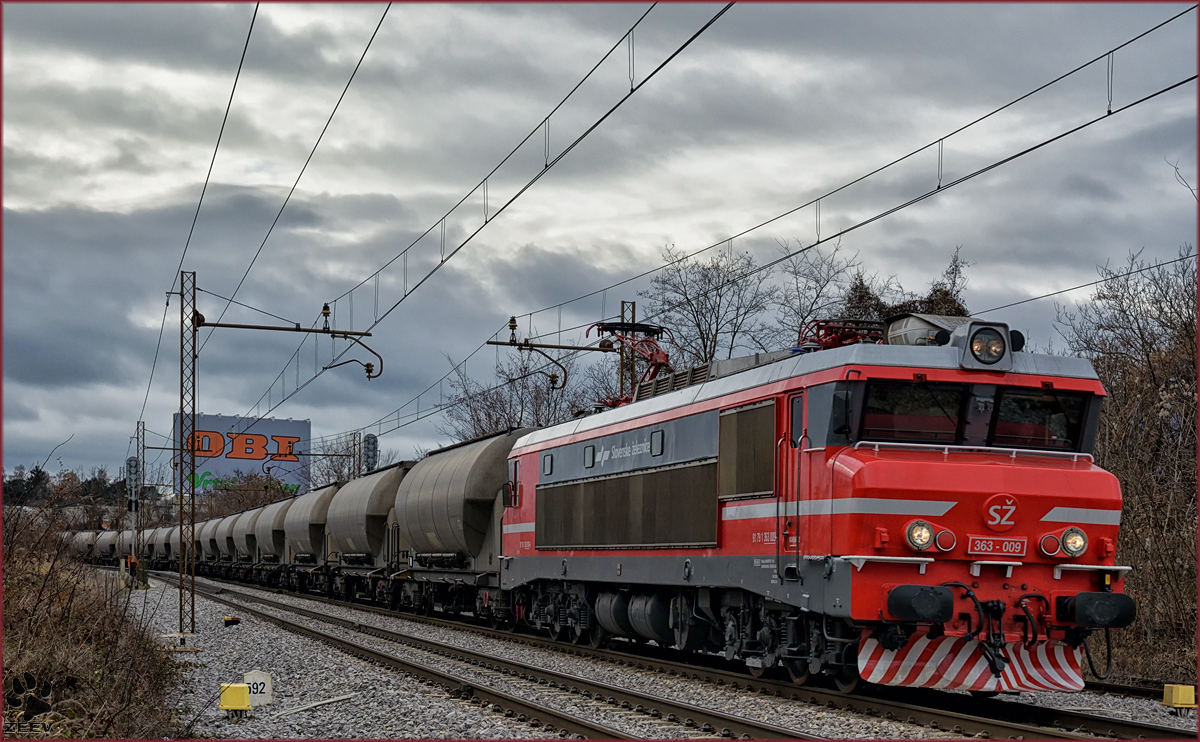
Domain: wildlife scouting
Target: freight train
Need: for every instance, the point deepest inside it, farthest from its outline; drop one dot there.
(917, 507)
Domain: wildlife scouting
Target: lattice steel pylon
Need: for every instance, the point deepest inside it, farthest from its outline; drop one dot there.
(139, 513)
(628, 364)
(356, 446)
(185, 445)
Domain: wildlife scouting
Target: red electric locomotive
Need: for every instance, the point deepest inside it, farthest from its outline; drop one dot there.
(922, 511)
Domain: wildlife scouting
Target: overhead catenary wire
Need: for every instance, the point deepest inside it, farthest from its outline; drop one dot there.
(943, 187)
(1106, 279)
(505, 205)
(444, 405)
(246, 306)
(938, 142)
(300, 175)
(453, 402)
(544, 124)
(196, 216)
(924, 196)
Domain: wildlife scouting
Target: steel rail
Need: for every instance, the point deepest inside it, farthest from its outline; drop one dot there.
(1120, 689)
(703, 719)
(498, 701)
(936, 709)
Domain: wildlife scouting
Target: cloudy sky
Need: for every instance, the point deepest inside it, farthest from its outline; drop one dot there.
(111, 114)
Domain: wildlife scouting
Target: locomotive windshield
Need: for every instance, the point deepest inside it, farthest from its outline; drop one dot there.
(973, 414)
(1037, 418)
(917, 413)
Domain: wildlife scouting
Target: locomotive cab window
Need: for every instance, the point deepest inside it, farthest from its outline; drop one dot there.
(922, 412)
(1038, 418)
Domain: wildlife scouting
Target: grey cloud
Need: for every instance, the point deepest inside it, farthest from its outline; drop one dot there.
(450, 103)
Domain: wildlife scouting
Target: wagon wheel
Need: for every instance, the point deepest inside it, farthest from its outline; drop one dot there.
(598, 636)
(558, 631)
(797, 671)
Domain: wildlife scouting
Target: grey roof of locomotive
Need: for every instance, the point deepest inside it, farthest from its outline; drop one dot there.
(738, 374)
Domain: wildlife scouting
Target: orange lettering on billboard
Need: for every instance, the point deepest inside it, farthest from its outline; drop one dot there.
(247, 446)
(208, 443)
(283, 444)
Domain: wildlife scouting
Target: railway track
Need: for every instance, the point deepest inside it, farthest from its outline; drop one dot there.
(661, 713)
(946, 711)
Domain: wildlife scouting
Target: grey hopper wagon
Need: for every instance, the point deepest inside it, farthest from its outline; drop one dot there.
(357, 520)
(269, 534)
(224, 536)
(125, 545)
(448, 508)
(198, 539)
(208, 539)
(106, 544)
(166, 543)
(304, 525)
(148, 539)
(245, 541)
(84, 543)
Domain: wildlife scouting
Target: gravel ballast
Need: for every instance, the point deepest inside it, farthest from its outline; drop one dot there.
(833, 723)
(386, 704)
(804, 717)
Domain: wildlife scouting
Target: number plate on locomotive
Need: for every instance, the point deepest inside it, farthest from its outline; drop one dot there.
(996, 546)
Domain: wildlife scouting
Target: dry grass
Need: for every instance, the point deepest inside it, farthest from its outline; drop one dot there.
(71, 655)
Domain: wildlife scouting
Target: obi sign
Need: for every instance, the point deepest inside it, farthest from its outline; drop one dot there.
(227, 446)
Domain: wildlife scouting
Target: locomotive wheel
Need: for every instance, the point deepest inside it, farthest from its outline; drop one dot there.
(847, 681)
(580, 635)
(756, 671)
(797, 671)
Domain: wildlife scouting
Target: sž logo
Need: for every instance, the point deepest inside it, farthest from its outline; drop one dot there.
(251, 446)
(1000, 512)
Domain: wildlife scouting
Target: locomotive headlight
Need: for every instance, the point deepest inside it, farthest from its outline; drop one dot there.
(987, 346)
(919, 535)
(1074, 542)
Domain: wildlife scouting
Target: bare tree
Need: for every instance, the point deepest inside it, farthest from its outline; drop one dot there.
(712, 307)
(333, 460)
(814, 286)
(871, 298)
(1139, 330)
(522, 396)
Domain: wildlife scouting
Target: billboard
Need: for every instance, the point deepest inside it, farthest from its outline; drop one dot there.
(227, 445)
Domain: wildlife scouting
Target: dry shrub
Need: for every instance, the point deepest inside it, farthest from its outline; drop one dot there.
(1140, 333)
(73, 654)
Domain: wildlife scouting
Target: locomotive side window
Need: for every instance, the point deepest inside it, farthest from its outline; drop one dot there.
(746, 457)
(547, 464)
(919, 413)
(1038, 418)
(656, 443)
(589, 457)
